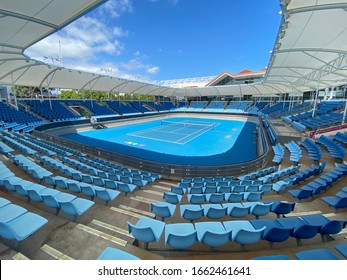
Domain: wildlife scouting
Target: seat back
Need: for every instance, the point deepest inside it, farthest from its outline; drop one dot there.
(215, 239)
(342, 203)
(192, 215)
(277, 234)
(332, 227)
(143, 234)
(6, 232)
(305, 231)
(239, 212)
(284, 208)
(181, 242)
(160, 210)
(214, 213)
(244, 236)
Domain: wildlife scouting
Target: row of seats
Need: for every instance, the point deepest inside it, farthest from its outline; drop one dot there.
(313, 254)
(279, 153)
(214, 234)
(335, 149)
(17, 223)
(318, 185)
(337, 201)
(85, 178)
(18, 146)
(295, 151)
(259, 173)
(313, 150)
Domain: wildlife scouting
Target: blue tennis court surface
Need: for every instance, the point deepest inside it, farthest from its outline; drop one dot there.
(179, 140)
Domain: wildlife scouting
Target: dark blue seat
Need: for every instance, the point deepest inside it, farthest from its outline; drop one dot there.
(274, 231)
(342, 249)
(282, 207)
(335, 201)
(301, 193)
(299, 228)
(325, 225)
(316, 254)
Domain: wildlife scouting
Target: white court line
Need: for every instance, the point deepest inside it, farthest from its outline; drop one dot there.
(157, 129)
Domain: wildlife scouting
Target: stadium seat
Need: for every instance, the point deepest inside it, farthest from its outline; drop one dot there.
(180, 235)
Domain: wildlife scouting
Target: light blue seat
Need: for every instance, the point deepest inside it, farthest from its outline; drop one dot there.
(9, 183)
(87, 179)
(4, 202)
(316, 254)
(234, 197)
(172, 198)
(214, 211)
(210, 189)
(163, 209)
(110, 253)
(191, 212)
(259, 208)
(52, 196)
(180, 235)
(196, 190)
(111, 184)
(75, 207)
(76, 175)
(237, 210)
(88, 190)
(252, 188)
(252, 196)
(126, 188)
(98, 181)
(10, 212)
(22, 227)
(49, 180)
(243, 232)
(23, 190)
(215, 197)
(178, 190)
(196, 198)
(61, 182)
(74, 186)
(212, 234)
(146, 230)
(224, 187)
(106, 195)
(238, 188)
(265, 188)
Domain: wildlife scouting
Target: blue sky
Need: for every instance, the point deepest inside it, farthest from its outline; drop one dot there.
(158, 40)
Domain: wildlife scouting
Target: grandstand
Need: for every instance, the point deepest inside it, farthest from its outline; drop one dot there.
(64, 199)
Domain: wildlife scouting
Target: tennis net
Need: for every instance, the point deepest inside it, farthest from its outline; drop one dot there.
(193, 125)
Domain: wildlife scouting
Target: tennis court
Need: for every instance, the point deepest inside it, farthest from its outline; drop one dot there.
(178, 140)
(177, 132)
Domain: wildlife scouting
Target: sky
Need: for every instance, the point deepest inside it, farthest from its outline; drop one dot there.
(155, 40)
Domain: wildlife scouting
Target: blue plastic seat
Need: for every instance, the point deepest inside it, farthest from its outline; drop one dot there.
(172, 198)
(191, 212)
(335, 201)
(301, 193)
(342, 249)
(243, 232)
(110, 253)
(215, 197)
(163, 209)
(234, 197)
(272, 257)
(106, 195)
(126, 188)
(252, 196)
(214, 211)
(282, 207)
(299, 228)
(75, 207)
(178, 190)
(180, 235)
(325, 225)
(212, 234)
(146, 230)
(274, 232)
(316, 254)
(197, 198)
(88, 190)
(237, 210)
(258, 208)
(10, 212)
(22, 227)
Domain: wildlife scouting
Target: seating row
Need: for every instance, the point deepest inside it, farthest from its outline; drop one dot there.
(193, 212)
(313, 254)
(295, 151)
(30, 167)
(17, 223)
(214, 234)
(314, 152)
(89, 190)
(85, 178)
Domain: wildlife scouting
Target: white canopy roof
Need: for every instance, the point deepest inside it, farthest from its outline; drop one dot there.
(310, 50)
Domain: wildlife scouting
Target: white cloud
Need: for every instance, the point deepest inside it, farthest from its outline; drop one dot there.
(153, 70)
(115, 8)
(119, 32)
